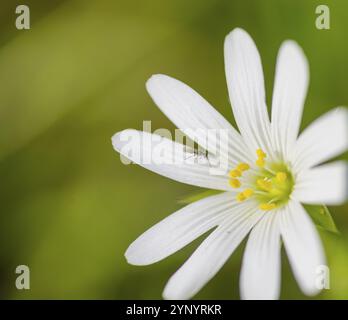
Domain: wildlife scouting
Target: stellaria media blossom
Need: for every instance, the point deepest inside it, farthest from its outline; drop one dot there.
(273, 171)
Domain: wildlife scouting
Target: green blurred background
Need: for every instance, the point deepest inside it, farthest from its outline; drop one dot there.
(69, 208)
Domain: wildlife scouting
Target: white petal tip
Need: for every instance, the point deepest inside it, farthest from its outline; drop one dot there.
(291, 44)
(313, 292)
(294, 54)
(139, 253)
(154, 80)
(134, 259)
(167, 297)
(293, 51)
(236, 33)
(115, 140)
(170, 294)
(238, 37)
(179, 289)
(310, 291)
(118, 138)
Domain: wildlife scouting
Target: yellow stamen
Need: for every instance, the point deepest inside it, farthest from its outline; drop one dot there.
(235, 173)
(235, 183)
(261, 154)
(260, 162)
(267, 206)
(240, 197)
(281, 176)
(248, 193)
(243, 167)
(264, 184)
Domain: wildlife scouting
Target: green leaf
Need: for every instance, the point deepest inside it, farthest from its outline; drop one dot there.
(198, 196)
(322, 217)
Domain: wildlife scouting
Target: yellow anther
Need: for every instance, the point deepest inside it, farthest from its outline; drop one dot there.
(267, 206)
(264, 184)
(235, 183)
(260, 162)
(281, 176)
(248, 193)
(243, 167)
(240, 197)
(235, 173)
(261, 154)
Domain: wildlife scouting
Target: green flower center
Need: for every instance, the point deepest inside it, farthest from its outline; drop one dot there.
(271, 185)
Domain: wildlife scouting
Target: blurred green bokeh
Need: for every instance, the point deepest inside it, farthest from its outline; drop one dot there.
(69, 208)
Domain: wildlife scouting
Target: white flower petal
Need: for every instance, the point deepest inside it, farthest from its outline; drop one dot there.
(179, 229)
(168, 158)
(260, 274)
(325, 184)
(246, 89)
(211, 255)
(193, 115)
(303, 246)
(324, 139)
(289, 93)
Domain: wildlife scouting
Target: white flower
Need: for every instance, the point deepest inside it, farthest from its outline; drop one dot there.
(272, 172)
